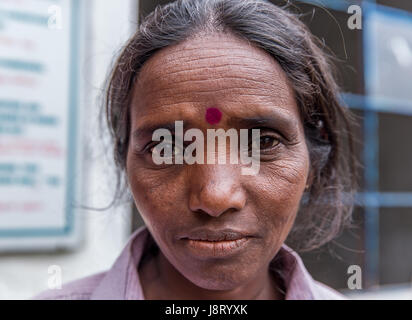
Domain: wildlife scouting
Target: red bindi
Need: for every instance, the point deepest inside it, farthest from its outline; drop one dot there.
(213, 115)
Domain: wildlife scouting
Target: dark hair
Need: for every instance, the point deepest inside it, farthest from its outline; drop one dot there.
(327, 205)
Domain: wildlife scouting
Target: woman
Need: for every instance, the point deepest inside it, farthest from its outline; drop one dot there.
(212, 232)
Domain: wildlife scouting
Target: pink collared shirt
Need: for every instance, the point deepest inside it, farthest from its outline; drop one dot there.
(121, 281)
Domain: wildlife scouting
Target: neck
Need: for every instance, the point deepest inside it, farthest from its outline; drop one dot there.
(161, 281)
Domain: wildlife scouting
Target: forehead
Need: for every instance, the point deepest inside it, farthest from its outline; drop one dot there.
(218, 70)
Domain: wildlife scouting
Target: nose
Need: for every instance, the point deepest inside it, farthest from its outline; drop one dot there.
(216, 189)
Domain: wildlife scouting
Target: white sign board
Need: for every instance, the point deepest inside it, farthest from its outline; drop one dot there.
(39, 124)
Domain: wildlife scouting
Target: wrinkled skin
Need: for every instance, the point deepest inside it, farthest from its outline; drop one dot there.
(179, 83)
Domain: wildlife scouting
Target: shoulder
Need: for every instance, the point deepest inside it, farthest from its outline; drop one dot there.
(80, 289)
(300, 283)
(323, 292)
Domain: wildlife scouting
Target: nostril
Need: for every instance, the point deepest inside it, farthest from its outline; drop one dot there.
(216, 203)
(214, 212)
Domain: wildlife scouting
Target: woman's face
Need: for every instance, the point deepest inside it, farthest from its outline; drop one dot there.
(220, 229)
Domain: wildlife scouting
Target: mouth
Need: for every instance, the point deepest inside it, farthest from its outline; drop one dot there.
(206, 243)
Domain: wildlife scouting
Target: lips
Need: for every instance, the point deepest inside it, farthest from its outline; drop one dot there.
(206, 243)
(215, 235)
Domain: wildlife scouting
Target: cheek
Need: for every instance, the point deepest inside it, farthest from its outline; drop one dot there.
(157, 195)
(278, 190)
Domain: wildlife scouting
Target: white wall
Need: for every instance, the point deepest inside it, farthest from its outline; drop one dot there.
(110, 23)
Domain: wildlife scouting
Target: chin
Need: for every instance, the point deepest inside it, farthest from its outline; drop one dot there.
(220, 283)
(214, 278)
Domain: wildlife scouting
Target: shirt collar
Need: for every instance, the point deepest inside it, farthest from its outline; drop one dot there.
(122, 281)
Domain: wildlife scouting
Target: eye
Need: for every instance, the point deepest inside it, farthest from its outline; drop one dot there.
(267, 142)
(169, 148)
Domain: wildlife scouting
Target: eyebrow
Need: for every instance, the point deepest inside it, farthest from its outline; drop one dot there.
(147, 130)
(275, 119)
